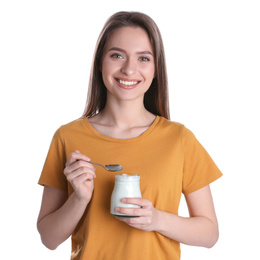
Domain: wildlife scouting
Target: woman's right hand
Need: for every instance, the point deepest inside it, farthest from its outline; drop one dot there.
(80, 173)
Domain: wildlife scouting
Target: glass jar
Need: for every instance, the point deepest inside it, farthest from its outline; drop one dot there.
(126, 186)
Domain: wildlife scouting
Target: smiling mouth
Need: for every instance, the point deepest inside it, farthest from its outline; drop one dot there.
(127, 83)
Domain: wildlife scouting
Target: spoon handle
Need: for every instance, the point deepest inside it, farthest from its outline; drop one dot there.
(98, 164)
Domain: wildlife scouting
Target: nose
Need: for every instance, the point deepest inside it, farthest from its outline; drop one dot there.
(129, 67)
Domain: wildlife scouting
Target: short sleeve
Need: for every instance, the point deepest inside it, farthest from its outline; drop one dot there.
(199, 170)
(52, 174)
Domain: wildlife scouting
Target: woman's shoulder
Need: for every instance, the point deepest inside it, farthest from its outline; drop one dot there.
(169, 123)
(177, 128)
(72, 126)
(169, 128)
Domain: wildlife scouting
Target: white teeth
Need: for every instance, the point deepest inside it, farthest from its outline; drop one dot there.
(128, 83)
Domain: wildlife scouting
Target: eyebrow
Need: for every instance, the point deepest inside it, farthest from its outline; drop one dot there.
(122, 50)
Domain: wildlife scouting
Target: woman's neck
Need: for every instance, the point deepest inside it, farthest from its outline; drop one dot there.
(125, 120)
(126, 113)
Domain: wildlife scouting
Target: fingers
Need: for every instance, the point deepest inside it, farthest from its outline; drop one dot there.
(139, 212)
(86, 171)
(141, 222)
(77, 181)
(80, 173)
(146, 207)
(76, 156)
(78, 165)
(138, 201)
(144, 220)
(146, 216)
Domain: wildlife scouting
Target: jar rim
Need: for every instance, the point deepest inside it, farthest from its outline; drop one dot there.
(127, 177)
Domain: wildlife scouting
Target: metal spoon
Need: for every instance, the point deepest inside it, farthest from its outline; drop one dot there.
(110, 167)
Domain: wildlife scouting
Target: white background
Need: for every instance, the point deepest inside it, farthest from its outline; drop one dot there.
(213, 57)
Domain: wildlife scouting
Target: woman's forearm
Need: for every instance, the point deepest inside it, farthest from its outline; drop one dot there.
(56, 227)
(195, 231)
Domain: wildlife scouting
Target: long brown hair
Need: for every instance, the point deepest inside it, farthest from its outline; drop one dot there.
(156, 99)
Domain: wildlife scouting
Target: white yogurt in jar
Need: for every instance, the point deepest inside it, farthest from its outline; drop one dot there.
(126, 186)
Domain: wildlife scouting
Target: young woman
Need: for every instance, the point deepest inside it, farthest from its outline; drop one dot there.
(126, 121)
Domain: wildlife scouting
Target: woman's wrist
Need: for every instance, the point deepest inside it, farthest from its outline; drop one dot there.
(80, 202)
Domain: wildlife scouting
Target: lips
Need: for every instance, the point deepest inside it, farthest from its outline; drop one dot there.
(126, 83)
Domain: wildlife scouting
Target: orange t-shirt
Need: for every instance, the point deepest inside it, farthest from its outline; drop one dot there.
(169, 160)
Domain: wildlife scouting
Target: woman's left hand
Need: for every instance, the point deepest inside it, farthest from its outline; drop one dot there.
(146, 217)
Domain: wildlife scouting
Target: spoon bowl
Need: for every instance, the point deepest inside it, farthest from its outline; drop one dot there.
(110, 167)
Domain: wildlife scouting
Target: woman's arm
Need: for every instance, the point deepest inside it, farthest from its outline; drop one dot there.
(60, 215)
(200, 229)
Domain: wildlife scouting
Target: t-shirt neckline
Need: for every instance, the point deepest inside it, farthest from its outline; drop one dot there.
(112, 139)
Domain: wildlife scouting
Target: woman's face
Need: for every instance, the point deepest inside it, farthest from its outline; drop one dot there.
(128, 64)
